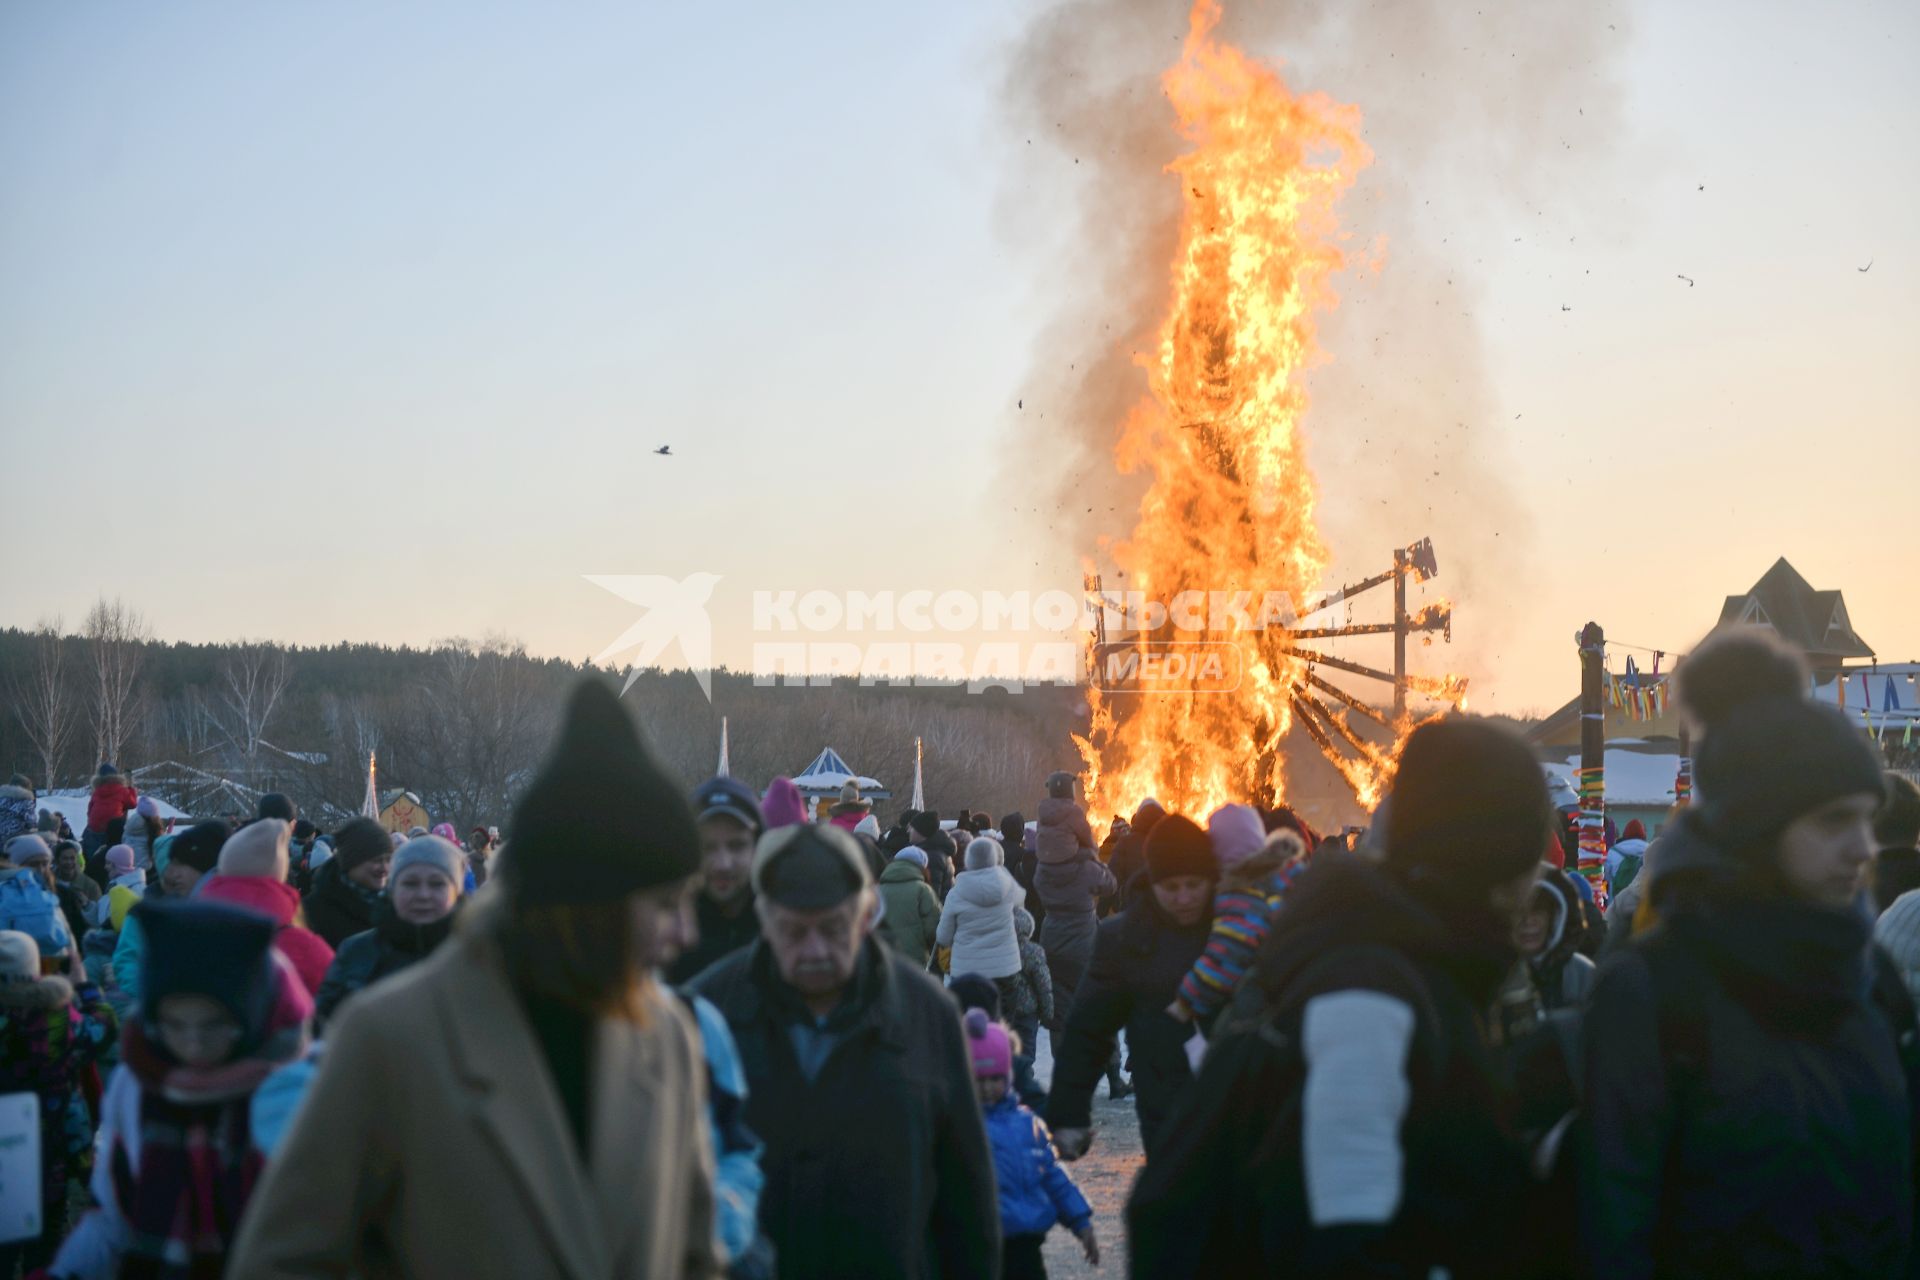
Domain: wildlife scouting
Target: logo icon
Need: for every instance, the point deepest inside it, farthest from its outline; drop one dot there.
(675, 611)
(1167, 666)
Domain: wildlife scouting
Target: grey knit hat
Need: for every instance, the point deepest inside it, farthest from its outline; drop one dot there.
(437, 852)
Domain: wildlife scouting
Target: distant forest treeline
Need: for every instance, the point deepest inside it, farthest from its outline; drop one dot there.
(464, 724)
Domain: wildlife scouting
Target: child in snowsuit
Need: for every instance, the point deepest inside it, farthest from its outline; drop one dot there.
(50, 1036)
(1029, 1006)
(1255, 870)
(219, 1011)
(1062, 828)
(113, 797)
(1035, 1191)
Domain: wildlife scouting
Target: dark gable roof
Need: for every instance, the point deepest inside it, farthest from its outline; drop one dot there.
(1815, 622)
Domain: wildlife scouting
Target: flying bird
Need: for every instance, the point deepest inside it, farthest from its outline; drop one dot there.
(1565, 307)
(1701, 187)
(1688, 279)
(665, 451)
(1865, 269)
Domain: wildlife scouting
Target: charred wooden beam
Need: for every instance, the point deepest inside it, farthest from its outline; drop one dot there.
(1354, 703)
(1338, 664)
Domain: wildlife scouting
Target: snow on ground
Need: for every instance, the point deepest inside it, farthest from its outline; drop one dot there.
(1105, 1176)
(1633, 777)
(72, 805)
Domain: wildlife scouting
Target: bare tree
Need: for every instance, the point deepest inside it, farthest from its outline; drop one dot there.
(116, 638)
(475, 730)
(45, 698)
(252, 678)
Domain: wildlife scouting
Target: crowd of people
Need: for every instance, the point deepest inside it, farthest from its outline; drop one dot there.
(658, 1033)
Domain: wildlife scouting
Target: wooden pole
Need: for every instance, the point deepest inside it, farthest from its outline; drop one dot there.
(1593, 759)
(1683, 778)
(1399, 633)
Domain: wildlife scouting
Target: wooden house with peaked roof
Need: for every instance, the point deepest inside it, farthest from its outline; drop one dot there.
(1814, 622)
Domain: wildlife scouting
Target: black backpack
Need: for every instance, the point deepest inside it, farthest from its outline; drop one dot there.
(1225, 1194)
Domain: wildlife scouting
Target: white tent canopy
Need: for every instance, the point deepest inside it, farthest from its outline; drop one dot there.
(828, 773)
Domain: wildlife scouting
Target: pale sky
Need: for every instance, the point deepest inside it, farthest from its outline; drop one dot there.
(361, 321)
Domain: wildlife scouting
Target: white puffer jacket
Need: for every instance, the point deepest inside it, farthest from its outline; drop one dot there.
(977, 922)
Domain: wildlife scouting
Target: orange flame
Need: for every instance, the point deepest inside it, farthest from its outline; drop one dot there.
(1230, 506)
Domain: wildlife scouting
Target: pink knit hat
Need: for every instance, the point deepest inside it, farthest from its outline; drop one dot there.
(783, 805)
(120, 859)
(1237, 833)
(988, 1045)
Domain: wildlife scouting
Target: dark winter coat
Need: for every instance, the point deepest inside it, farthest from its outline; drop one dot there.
(1021, 864)
(1069, 891)
(1349, 1119)
(1748, 1105)
(335, 907)
(720, 936)
(1139, 958)
(365, 958)
(1030, 992)
(1128, 861)
(880, 1165)
(76, 904)
(941, 853)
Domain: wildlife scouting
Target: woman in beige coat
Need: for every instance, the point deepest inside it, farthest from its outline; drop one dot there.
(525, 1103)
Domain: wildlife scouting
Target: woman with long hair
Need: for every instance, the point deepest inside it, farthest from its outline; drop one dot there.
(525, 1101)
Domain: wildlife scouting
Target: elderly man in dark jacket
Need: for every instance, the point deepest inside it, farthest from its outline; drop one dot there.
(1139, 958)
(858, 1080)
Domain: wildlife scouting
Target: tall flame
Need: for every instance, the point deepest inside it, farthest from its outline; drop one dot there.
(1230, 505)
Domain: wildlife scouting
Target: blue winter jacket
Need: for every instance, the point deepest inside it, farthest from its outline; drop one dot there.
(737, 1178)
(1035, 1192)
(28, 907)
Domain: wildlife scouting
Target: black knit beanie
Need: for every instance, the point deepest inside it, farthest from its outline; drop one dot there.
(1469, 806)
(360, 841)
(926, 823)
(1768, 755)
(275, 805)
(1013, 829)
(1776, 759)
(602, 819)
(199, 845)
(1178, 847)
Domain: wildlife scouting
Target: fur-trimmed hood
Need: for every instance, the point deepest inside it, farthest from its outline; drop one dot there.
(42, 993)
(1282, 847)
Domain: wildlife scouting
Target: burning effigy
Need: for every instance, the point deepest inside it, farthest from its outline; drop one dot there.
(1229, 508)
